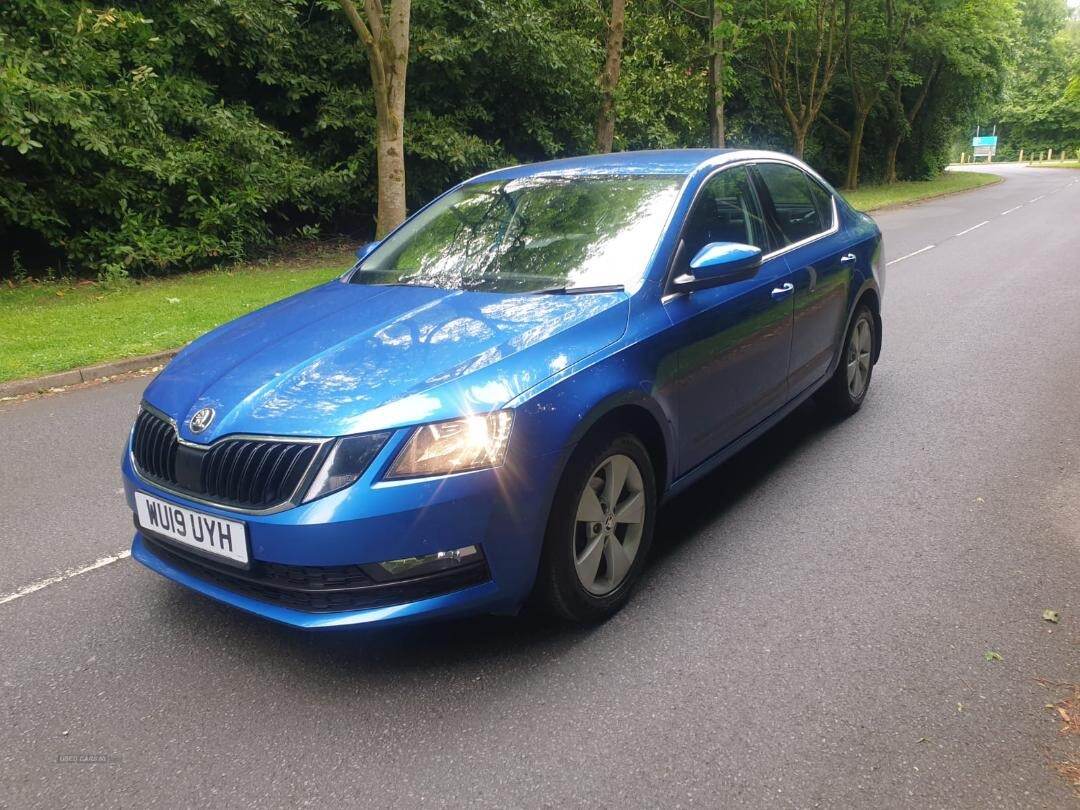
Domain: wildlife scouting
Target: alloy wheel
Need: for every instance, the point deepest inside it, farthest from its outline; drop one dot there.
(609, 525)
(858, 358)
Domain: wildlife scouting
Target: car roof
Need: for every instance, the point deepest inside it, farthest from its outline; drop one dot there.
(653, 161)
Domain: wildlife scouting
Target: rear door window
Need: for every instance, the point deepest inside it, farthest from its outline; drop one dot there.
(803, 208)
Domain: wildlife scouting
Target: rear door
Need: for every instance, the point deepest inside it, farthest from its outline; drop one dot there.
(806, 223)
(734, 339)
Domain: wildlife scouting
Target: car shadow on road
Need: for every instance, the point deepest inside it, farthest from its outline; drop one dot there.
(683, 517)
(475, 643)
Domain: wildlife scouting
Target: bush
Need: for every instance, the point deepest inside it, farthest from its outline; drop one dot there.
(115, 163)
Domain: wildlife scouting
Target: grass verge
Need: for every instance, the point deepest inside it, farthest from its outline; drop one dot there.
(56, 326)
(870, 198)
(1067, 164)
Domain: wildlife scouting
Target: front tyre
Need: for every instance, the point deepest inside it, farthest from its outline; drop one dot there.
(599, 530)
(846, 389)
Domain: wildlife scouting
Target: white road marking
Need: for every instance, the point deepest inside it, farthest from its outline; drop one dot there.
(916, 253)
(1003, 213)
(973, 227)
(1036, 199)
(71, 572)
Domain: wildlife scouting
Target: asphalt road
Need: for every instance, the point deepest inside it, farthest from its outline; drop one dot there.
(811, 631)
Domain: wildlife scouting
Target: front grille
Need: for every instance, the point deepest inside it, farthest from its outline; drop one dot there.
(247, 473)
(317, 589)
(155, 444)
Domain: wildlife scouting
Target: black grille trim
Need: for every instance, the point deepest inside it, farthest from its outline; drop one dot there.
(247, 473)
(155, 445)
(317, 589)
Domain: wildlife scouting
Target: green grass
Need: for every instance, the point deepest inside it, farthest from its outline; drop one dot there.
(57, 326)
(870, 198)
(1068, 164)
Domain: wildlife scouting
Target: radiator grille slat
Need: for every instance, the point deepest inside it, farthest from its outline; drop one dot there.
(247, 473)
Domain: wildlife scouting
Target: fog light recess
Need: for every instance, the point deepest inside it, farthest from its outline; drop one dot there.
(410, 567)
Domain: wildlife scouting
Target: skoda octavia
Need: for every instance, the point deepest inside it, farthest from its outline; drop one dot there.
(488, 407)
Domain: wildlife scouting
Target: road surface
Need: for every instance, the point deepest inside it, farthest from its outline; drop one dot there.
(812, 631)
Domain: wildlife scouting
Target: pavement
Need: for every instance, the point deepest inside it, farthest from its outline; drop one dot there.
(812, 630)
(84, 374)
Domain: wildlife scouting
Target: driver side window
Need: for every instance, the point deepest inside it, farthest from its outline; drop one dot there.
(726, 210)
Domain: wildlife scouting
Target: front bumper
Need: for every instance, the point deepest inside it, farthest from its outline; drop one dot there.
(480, 598)
(501, 511)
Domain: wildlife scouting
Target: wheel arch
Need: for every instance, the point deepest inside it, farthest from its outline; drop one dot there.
(869, 296)
(642, 416)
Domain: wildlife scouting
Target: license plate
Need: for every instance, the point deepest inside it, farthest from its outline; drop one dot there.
(207, 533)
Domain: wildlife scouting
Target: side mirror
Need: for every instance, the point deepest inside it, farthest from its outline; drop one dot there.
(364, 250)
(719, 263)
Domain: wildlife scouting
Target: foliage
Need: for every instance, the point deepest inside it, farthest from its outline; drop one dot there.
(661, 100)
(1041, 108)
(159, 136)
(118, 162)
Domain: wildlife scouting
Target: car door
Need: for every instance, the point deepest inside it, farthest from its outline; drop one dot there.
(733, 339)
(805, 218)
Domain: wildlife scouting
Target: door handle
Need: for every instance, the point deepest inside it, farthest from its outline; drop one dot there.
(783, 291)
(850, 257)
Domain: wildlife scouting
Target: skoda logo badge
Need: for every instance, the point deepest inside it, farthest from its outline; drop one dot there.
(201, 420)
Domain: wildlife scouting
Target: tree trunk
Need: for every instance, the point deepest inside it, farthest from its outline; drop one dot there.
(798, 143)
(858, 126)
(890, 157)
(717, 136)
(387, 45)
(609, 77)
(391, 168)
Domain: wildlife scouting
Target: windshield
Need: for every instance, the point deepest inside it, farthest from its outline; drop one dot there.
(530, 234)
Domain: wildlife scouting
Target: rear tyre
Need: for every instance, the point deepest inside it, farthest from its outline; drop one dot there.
(846, 389)
(599, 530)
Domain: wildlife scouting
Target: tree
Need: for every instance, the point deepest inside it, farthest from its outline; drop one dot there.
(609, 76)
(800, 51)
(875, 32)
(905, 113)
(957, 50)
(872, 46)
(1041, 108)
(721, 39)
(385, 36)
(719, 42)
(664, 61)
(178, 135)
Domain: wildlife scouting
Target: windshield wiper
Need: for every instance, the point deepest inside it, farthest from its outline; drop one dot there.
(603, 288)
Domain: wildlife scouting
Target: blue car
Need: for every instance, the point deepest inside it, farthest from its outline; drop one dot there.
(488, 408)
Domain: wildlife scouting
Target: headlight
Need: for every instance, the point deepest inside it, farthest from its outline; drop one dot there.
(459, 445)
(347, 460)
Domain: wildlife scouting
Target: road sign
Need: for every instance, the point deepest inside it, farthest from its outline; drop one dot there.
(984, 146)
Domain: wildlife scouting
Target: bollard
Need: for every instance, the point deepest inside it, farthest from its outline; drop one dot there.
(1021, 160)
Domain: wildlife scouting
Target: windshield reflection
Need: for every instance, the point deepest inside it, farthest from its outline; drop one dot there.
(530, 234)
